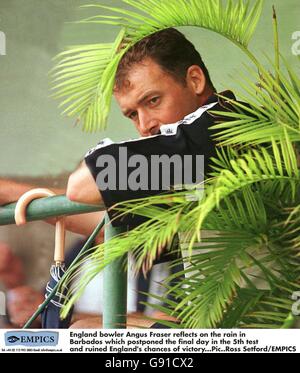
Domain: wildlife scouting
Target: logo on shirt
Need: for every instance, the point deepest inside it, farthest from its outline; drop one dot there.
(101, 144)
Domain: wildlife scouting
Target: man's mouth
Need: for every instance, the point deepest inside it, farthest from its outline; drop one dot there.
(155, 131)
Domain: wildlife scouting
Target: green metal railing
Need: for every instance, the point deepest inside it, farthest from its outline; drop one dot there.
(48, 207)
(115, 276)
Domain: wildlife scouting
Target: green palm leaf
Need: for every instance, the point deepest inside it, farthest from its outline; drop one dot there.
(274, 110)
(235, 279)
(254, 168)
(253, 307)
(78, 78)
(211, 295)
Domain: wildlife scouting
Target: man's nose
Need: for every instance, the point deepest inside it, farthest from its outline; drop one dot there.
(148, 126)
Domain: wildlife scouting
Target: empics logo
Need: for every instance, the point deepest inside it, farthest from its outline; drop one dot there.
(34, 339)
(13, 339)
(2, 44)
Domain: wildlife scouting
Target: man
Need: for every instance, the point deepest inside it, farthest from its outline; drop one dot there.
(164, 88)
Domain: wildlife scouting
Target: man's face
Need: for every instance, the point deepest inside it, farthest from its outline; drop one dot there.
(151, 97)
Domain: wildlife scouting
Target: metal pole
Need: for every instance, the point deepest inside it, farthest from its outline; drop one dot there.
(114, 286)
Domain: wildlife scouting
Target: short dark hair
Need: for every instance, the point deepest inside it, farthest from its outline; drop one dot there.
(170, 49)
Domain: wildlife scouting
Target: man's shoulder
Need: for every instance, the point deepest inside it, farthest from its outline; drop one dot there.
(226, 102)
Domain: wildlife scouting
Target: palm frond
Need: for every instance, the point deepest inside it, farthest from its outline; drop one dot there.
(253, 307)
(226, 286)
(78, 78)
(254, 168)
(235, 279)
(85, 75)
(272, 110)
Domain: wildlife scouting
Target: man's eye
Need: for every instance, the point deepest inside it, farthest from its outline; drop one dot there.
(154, 100)
(132, 115)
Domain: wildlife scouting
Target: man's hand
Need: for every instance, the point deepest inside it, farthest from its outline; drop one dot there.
(82, 187)
(11, 269)
(22, 301)
(11, 191)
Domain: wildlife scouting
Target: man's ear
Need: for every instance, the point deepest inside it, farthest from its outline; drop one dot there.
(195, 79)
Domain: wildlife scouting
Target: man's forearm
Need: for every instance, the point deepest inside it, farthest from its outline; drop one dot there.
(82, 187)
(83, 224)
(11, 191)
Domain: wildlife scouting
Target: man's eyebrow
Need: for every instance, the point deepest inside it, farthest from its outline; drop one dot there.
(146, 96)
